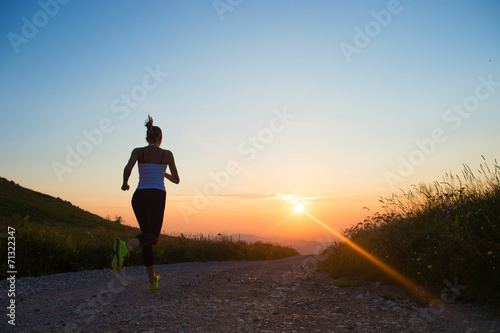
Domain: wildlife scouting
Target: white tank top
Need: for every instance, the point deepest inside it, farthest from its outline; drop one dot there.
(152, 175)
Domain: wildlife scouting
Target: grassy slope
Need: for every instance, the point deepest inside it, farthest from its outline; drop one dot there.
(440, 235)
(54, 236)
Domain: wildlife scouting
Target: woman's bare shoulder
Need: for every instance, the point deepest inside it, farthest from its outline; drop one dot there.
(136, 150)
(168, 155)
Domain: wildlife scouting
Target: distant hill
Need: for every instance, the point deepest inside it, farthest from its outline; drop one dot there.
(304, 247)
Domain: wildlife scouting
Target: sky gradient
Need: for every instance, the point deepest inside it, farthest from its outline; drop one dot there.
(265, 105)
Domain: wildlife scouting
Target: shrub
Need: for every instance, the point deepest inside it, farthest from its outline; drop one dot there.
(433, 234)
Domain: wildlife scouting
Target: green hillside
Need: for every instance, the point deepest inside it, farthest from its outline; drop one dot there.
(437, 235)
(53, 236)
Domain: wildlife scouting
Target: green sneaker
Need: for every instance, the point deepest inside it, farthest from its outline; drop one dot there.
(153, 286)
(120, 252)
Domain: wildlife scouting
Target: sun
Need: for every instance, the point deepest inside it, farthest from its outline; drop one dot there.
(299, 208)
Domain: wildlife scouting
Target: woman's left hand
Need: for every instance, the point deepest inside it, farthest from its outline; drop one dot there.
(125, 187)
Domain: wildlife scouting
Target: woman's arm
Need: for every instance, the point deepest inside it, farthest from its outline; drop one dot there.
(128, 169)
(173, 176)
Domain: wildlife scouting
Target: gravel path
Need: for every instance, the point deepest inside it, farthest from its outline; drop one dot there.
(285, 295)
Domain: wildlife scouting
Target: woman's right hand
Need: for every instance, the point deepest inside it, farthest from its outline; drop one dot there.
(125, 187)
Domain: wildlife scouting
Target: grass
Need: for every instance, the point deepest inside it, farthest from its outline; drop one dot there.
(54, 236)
(441, 236)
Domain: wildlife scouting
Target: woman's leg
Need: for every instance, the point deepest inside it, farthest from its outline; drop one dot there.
(151, 273)
(149, 208)
(133, 244)
(147, 252)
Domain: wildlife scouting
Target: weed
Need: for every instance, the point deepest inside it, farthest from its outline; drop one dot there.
(53, 236)
(433, 233)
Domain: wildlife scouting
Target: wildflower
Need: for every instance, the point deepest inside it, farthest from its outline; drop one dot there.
(482, 228)
(490, 253)
(414, 252)
(418, 273)
(435, 252)
(429, 267)
(418, 259)
(386, 257)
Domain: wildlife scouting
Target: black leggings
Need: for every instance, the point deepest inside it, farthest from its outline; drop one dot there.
(149, 206)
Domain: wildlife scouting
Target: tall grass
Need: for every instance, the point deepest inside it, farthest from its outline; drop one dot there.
(53, 236)
(438, 234)
(42, 249)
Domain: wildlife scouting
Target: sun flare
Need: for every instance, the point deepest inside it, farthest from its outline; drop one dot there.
(299, 208)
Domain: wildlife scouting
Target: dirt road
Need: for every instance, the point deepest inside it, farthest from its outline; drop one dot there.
(285, 295)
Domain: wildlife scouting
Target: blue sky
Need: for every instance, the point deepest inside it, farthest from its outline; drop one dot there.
(354, 117)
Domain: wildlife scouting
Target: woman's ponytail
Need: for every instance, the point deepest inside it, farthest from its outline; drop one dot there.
(149, 123)
(153, 134)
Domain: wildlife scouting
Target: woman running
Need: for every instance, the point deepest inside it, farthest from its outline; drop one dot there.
(148, 200)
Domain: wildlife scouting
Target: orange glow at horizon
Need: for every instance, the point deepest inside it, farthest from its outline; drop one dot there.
(239, 214)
